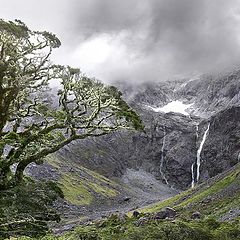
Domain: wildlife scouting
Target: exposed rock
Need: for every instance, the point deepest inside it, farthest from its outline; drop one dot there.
(232, 214)
(196, 215)
(207, 200)
(142, 221)
(160, 215)
(135, 214)
(126, 199)
(166, 213)
(171, 213)
(221, 148)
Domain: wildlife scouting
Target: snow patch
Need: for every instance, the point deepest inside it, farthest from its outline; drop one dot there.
(174, 106)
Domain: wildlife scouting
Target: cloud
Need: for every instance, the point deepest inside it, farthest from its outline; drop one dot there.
(137, 40)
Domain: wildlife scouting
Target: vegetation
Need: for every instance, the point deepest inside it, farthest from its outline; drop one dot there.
(30, 126)
(27, 208)
(34, 124)
(82, 186)
(208, 198)
(146, 227)
(117, 229)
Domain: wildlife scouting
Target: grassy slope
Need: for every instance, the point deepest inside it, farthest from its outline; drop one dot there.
(214, 199)
(82, 186)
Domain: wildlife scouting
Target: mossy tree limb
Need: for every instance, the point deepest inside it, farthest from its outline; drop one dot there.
(31, 126)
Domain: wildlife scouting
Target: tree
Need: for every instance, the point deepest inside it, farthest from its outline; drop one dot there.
(30, 126)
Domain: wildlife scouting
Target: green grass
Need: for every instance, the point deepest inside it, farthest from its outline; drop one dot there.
(82, 186)
(102, 190)
(168, 202)
(74, 190)
(191, 200)
(99, 177)
(53, 161)
(115, 228)
(218, 186)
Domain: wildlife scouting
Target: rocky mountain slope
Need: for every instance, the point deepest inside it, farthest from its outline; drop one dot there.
(124, 171)
(209, 211)
(215, 100)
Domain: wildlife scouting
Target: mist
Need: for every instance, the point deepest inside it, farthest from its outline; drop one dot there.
(137, 41)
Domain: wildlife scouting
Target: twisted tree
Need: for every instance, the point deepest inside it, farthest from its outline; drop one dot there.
(30, 126)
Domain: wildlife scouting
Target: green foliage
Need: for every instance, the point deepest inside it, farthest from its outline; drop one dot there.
(74, 190)
(84, 233)
(26, 209)
(30, 126)
(154, 230)
(182, 228)
(191, 200)
(17, 28)
(82, 186)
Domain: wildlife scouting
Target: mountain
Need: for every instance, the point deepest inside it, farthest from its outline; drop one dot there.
(114, 154)
(190, 151)
(164, 160)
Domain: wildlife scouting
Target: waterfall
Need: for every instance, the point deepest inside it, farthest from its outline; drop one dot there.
(193, 180)
(192, 167)
(199, 152)
(162, 157)
(197, 131)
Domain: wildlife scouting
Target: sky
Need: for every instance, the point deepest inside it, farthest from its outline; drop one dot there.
(137, 40)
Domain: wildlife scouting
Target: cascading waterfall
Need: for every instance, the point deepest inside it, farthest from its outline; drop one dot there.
(199, 152)
(192, 167)
(193, 180)
(162, 157)
(197, 131)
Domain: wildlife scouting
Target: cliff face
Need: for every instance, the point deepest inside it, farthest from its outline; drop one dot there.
(222, 146)
(126, 170)
(169, 148)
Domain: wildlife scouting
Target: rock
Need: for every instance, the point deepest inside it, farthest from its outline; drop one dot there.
(142, 221)
(126, 199)
(160, 215)
(207, 200)
(171, 213)
(196, 215)
(135, 214)
(166, 213)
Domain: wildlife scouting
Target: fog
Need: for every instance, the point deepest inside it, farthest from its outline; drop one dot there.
(136, 40)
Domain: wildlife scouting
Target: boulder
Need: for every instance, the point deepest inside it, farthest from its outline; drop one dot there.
(142, 221)
(171, 213)
(166, 213)
(135, 214)
(196, 215)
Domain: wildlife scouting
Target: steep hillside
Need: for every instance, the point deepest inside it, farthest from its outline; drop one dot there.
(90, 195)
(210, 211)
(212, 93)
(168, 148)
(178, 150)
(219, 197)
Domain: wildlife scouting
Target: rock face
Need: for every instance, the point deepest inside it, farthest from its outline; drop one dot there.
(112, 155)
(222, 147)
(168, 149)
